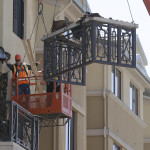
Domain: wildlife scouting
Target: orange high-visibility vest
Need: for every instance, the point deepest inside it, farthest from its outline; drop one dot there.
(21, 72)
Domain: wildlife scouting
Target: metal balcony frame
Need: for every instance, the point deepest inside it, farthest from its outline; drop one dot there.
(103, 41)
(18, 125)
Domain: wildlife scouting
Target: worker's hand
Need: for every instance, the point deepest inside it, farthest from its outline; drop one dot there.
(40, 61)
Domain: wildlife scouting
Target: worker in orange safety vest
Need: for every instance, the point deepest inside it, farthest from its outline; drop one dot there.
(21, 70)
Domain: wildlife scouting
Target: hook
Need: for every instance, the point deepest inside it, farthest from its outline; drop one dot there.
(40, 7)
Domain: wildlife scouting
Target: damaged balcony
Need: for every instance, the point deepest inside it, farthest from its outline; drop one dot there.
(92, 40)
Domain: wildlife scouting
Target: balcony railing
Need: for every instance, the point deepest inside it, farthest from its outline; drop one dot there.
(93, 40)
(18, 125)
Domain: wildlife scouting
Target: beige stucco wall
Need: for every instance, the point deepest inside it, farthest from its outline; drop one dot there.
(146, 146)
(146, 118)
(46, 138)
(147, 121)
(124, 123)
(95, 113)
(94, 79)
(123, 127)
(95, 143)
(80, 130)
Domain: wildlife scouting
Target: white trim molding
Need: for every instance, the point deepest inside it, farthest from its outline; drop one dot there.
(95, 132)
(147, 140)
(97, 93)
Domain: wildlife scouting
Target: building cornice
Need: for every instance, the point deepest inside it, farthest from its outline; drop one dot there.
(97, 93)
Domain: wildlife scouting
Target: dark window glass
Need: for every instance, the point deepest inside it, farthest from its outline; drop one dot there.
(18, 18)
(116, 147)
(70, 133)
(133, 98)
(116, 82)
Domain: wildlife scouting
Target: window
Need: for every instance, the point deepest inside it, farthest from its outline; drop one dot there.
(116, 82)
(133, 99)
(18, 18)
(116, 147)
(70, 133)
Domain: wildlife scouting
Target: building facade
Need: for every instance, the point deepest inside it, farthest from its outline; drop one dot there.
(110, 113)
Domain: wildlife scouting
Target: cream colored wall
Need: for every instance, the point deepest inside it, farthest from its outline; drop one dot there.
(123, 123)
(94, 77)
(123, 126)
(95, 112)
(126, 88)
(132, 75)
(80, 132)
(95, 143)
(146, 146)
(61, 138)
(79, 98)
(46, 139)
(147, 121)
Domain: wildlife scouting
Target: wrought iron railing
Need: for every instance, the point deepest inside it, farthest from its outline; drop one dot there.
(93, 40)
(18, 125)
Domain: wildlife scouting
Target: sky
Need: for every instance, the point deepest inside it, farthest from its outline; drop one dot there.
(119, 10)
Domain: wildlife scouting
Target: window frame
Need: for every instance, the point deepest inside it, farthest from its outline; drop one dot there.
(70, 133)
(116, 81)
(116, 147)
(133, 98)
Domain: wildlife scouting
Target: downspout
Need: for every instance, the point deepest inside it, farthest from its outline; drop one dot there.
(67, 6)
(105, 108)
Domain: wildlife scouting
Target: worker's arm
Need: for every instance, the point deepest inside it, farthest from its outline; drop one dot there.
(37, 63)
(10, 66)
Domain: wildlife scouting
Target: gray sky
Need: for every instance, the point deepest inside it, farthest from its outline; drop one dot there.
(119, 10)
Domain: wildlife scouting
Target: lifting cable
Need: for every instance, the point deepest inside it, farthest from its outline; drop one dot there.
(130, 11)
(54, 10)
(86, 5)
(40, 14)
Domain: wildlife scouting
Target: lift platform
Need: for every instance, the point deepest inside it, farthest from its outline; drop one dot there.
(54, 103)
(92, 40)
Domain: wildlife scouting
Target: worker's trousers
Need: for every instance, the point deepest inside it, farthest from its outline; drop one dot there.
(24, 89)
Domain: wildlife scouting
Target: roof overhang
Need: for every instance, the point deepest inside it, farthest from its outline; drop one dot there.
(147, 4)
